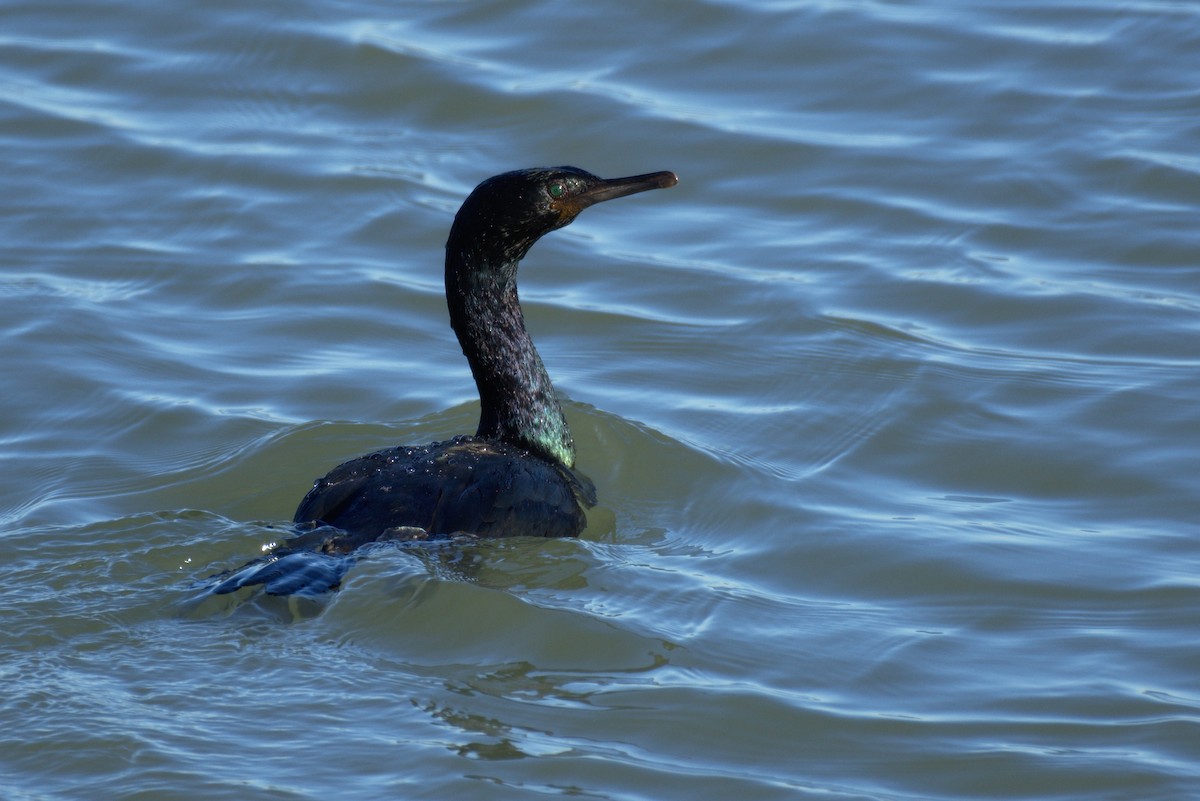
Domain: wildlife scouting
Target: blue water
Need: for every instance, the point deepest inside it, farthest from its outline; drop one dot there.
(891, 403)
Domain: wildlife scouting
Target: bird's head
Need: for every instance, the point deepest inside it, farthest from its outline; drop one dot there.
(507, 213)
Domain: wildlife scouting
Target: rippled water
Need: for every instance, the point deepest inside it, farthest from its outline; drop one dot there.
(891, 403)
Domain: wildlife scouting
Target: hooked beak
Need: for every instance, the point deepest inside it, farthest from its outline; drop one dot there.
(611, 188)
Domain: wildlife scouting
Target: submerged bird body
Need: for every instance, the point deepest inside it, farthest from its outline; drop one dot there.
(516, 476)
(467, 485)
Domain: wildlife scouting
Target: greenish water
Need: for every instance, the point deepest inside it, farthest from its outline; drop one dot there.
(891, 403)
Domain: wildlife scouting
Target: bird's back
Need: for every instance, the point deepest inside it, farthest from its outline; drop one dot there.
(465, 485)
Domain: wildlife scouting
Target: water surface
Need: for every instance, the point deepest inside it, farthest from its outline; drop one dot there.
(890, 403)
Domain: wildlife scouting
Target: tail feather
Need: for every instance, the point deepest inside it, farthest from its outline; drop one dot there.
(305, 573)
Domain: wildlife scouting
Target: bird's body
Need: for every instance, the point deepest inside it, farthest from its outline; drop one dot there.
(516, 476)
(468, 485)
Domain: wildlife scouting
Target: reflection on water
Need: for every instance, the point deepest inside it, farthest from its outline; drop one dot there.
(889, 403)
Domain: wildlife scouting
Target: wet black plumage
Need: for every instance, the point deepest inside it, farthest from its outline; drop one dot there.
(516, 475)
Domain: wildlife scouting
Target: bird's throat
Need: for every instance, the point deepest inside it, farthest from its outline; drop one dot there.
(518, 402)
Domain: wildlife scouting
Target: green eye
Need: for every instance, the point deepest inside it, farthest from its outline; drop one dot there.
(556, 190)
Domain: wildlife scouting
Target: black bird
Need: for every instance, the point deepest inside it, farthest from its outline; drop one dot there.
(516, 475)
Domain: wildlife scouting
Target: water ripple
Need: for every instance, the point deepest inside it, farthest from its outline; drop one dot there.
(889, 403)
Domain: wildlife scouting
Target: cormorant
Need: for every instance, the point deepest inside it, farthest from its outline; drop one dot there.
(516, 475)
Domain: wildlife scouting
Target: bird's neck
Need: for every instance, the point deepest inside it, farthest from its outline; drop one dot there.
(519, 405)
